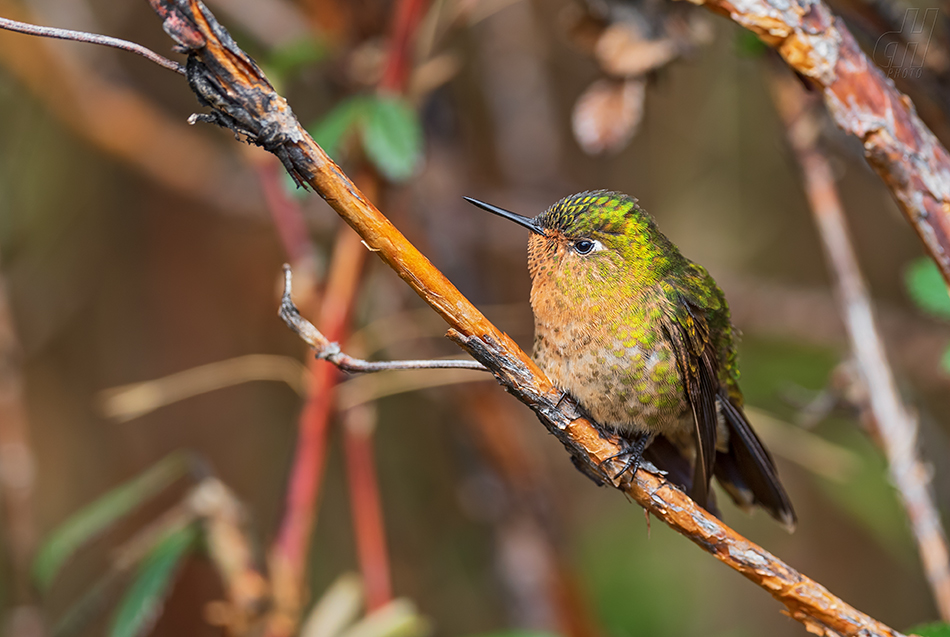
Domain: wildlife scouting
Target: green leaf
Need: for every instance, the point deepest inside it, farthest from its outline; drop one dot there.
(331, 130)
(749, 45)
(392, 137)
(329, 133)
(94, 600)
(98, 516)
(142, 603)
(936, 629)
(927, 287)
(945, 361)
(389, 128)
(293, 55)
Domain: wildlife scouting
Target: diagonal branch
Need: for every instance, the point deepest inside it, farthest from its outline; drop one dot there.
(894, 423)
(863, 102)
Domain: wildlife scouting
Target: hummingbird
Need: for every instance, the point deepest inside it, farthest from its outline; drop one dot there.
(641, 338)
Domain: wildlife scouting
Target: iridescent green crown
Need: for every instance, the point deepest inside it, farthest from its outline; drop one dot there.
(593, 211)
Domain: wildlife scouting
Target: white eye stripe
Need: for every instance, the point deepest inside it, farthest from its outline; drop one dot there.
(587, 246)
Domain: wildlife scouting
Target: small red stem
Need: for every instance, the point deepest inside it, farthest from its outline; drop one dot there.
(290, 552)
(308, 465)
(365, 501)
(407, 15)
(367, 506)
(289, 556)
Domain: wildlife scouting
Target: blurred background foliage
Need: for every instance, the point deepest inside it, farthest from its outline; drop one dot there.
(118, 272)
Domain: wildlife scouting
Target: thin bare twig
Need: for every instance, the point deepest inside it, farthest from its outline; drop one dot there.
(91, 38)
(165, 150)
(894, 423)
(329, 351)
(138, 399)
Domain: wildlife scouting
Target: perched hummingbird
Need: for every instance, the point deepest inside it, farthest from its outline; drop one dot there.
(640, 336)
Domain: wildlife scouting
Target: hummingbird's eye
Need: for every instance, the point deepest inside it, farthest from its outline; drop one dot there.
(584, 246)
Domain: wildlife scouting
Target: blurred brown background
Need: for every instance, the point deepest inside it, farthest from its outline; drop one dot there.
(117, 273)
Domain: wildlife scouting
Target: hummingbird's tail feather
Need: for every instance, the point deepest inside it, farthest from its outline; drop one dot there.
(747, 472)
(664, 455)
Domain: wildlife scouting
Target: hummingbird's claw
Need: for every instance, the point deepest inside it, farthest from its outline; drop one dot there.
(632, 451)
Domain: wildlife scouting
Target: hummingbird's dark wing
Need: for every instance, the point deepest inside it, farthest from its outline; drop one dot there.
(688, 332)
(745, 469)
(707, 360)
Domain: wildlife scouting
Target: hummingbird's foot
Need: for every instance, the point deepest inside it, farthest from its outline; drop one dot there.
(631, 449)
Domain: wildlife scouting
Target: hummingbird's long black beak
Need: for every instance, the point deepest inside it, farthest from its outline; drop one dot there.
(527, 222)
